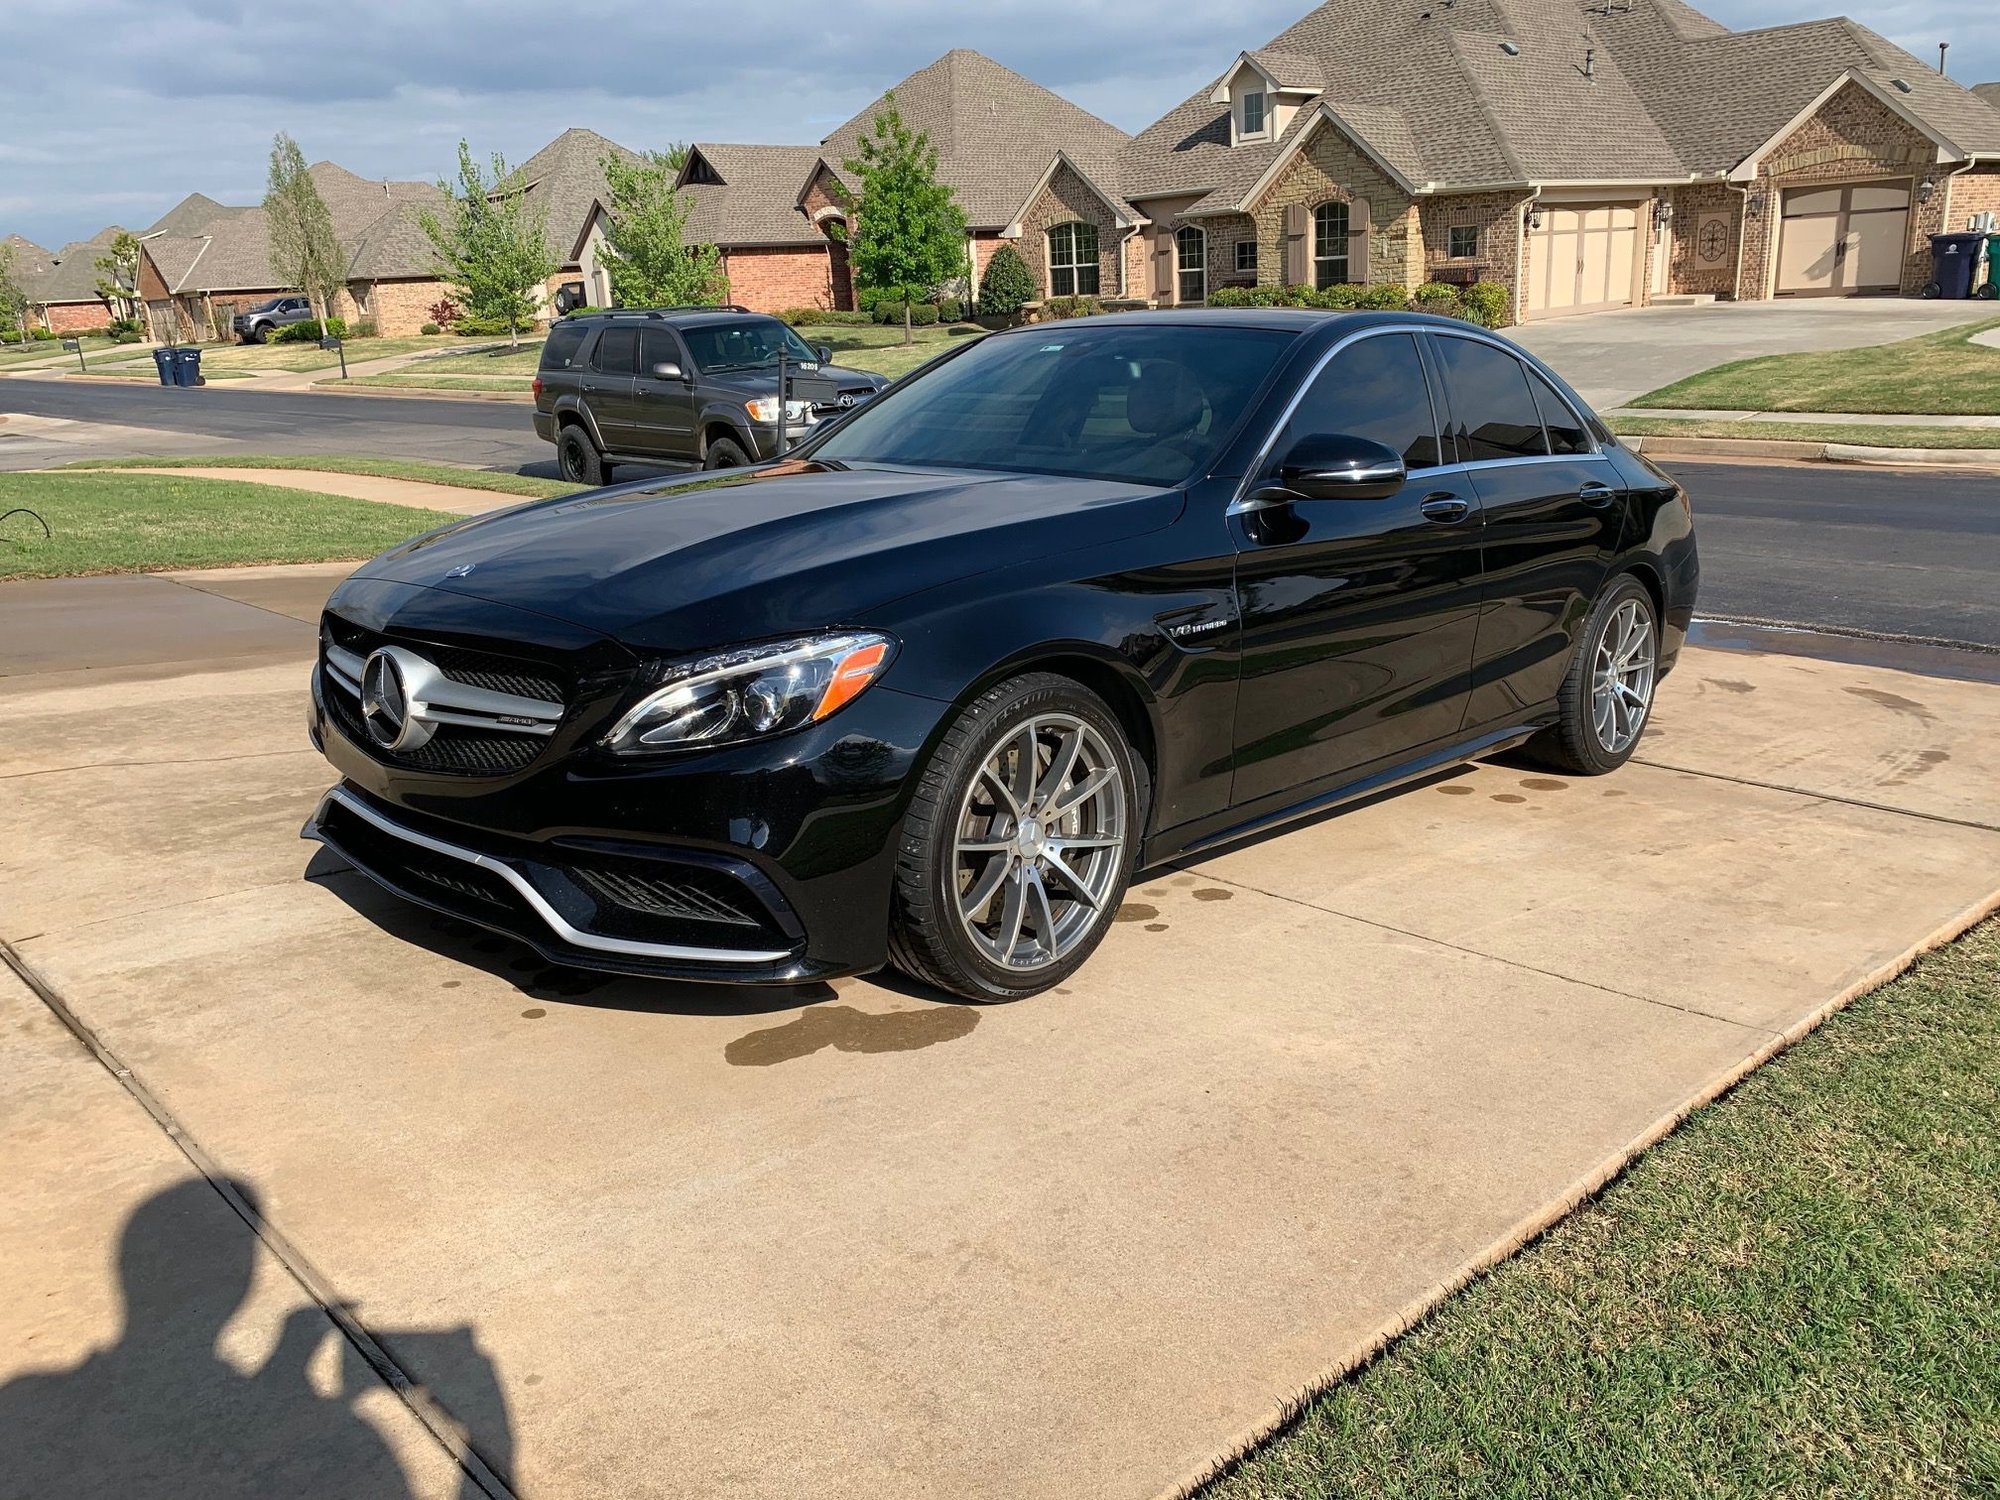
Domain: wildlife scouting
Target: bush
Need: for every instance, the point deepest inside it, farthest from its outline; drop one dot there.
(1485, 303)
(444, 312)
(468, 326)
(1007, 284)
(951, 310)
(365, 329)
(870, 298)
(923, 315)
(803, 317)
(1057, 309)
(1388, 298)
(1437, 297)
(308, 331)
(428, 329)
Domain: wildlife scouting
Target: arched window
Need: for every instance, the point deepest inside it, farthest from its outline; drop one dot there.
(1073, 260)
(1330, 241)
(1191, 262)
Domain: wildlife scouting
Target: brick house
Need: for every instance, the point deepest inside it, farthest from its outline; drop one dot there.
(62, 284)
(1585, 157)
(777, 218)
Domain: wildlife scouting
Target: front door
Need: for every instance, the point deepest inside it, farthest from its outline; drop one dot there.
(607, 387)
(662, 410)
(1840, 241)
(1357, 615)
(1553, 508)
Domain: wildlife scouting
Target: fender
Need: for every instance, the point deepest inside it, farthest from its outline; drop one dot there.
(714, 413)
(569, 404)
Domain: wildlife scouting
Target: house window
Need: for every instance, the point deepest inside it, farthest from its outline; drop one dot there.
(1462, 241)
(1073, 260)
(1191, 261)
(1246, 257)
(1329, 245)
(1253, 114)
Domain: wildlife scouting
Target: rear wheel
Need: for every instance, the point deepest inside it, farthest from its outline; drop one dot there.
(1019, 842)
(1608, 694)
(578, 458)
(724, 453)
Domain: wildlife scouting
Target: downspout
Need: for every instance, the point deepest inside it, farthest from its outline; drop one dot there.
(1743, 239)
(1124, 262)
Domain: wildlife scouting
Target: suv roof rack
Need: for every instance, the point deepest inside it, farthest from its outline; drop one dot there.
(658, 312)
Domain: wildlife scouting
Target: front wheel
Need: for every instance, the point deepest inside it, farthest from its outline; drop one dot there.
(1608, 694)
(1019, 842)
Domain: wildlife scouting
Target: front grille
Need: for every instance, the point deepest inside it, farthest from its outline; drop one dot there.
(451, 749)
(481, 669)
(687, 897)
(833, 408)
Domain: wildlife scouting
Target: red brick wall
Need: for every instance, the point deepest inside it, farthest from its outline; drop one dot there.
(1689, 272)
(75, 317)
(771, 280)
(1974, 192)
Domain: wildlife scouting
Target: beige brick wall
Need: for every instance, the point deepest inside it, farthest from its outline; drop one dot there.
(1973, 192)
(1497, 217)
(1332, 169)
(1068, 200)
(1853, 138)
(771, 280)
(401, 308)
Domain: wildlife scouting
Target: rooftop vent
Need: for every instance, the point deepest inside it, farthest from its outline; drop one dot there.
(1512, 49)
(1901, 85)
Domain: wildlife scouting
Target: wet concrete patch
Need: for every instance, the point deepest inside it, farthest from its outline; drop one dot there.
(1894, 702)
(1730, 684)
(1545, 784)
(1137, 911)
(1212, 893)
(845, 1029)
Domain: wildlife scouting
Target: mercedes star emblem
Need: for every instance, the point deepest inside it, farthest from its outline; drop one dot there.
(385, 705)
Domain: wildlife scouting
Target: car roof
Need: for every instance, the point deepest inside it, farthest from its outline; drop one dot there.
(678, 316)
(1289, 319)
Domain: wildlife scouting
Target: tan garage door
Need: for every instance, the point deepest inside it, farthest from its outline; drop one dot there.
(1840, 241)
(1583, 258)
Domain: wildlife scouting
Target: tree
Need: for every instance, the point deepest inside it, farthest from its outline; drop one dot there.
(1007, 285)
(907, 229)
(644, 249)
(119, 283)
(492, 246)
(305, 251)
(13, 296)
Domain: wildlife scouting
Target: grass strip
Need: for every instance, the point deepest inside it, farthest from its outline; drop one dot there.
(140, 523)
(1936, 374)
(1866, 436)
(1795, 1294)
(333, 463)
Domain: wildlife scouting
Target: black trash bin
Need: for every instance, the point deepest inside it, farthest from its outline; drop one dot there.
(187, 366)
(163, 361)
(1953, 257)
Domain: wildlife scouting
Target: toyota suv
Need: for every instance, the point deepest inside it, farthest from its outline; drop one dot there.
(683, 386)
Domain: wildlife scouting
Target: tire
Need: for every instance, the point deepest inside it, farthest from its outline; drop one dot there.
(1095, 838)
(724, 453)
(261, 334)
(1932, 290)
(578, 459)
(1579, 741)
(1986, 291)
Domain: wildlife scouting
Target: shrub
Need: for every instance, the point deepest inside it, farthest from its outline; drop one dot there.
(1343, 296)
(870, 298)
(888, 310)
(1057, 309)
(484, 328)
(1007, 284)
(125, 331)
(950, 310)
(1437, 297)
(1232, 296)
(365, 329)
(443, 312)
(923, 315)
(308, 331)
(428, 329)
(1388, 298)
(803, 317)
(1485, 303)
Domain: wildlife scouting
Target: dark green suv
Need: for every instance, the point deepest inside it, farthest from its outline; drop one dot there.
(682, 386)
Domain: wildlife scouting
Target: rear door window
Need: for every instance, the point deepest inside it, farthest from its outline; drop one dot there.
(565, 342)
(1492, 409)
(618, 351)
(1566, 432)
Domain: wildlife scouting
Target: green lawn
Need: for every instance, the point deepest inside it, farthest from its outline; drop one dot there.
(882, 350)
(335, 463)
(500, 361)
(14, 356)
(137, 523)
(1867, 435)
(420, 380)
(1936, 374)
(1797, 1294)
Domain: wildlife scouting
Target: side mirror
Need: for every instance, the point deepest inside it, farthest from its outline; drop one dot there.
(1336, 466)
(825, 353)
(666, 369)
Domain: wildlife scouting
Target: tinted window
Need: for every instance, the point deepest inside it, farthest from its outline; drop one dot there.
(1566, 434)
(564, 342)
(1493, 412)
(1147, 404)
(745, 346)
(1372, 389)
(618, 351)
(657, 347)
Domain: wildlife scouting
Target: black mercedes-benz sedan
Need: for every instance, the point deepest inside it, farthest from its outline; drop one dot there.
(1072, 601)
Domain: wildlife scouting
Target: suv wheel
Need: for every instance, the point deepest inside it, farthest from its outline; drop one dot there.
(578, 458)
(724, 453)
(1019, 842)
(259, 333)
(1608, 694)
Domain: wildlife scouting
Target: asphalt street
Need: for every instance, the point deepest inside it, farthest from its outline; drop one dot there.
(1912, 553)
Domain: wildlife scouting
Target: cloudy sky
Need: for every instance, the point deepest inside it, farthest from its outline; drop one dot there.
(158, 98)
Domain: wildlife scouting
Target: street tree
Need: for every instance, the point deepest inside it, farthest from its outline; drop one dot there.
(492, 244)
(13, 296)
(118, 275)
(908, 229)
(305, 251)
(645, 246)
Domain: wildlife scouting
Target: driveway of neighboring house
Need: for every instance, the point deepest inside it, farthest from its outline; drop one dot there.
(1612, 357)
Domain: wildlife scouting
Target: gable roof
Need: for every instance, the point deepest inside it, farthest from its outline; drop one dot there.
(1990, 92)
(30, 259)
(72, 273)
(191, 215)
(566, 178)
(995, 133)
(753, 197)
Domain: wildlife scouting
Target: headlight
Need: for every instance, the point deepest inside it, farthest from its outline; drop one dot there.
(765, 409)
(759, 690)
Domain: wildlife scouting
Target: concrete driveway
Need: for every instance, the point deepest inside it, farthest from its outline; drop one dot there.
(1612, 357)
(652, 1240)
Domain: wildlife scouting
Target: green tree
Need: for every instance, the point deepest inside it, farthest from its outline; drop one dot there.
(118, 281)
(645, 250)
(1007, 285)
(13, 296)
(492, 244)
(907, 229)
(305, 251)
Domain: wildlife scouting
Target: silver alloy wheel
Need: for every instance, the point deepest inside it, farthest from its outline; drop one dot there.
(1621, 678)
(1040, 842)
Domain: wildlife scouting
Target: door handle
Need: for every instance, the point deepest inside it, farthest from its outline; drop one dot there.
(1594, 493)
(1445, 508)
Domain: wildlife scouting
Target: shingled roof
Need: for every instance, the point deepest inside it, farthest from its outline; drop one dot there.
(29, 259)
(72, 274)
(748, 195)
(1990, 92)
(566, 177)
(996, 134)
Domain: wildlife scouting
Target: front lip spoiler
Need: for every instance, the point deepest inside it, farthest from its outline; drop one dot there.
(574, 936)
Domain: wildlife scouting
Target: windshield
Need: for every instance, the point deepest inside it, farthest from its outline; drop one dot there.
(745, 346)
(1144, 403)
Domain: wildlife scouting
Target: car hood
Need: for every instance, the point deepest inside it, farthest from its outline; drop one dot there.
(764, 382)
(710, 559)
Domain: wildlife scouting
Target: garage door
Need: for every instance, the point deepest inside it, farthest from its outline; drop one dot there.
(1583, 258)
(1840, 241)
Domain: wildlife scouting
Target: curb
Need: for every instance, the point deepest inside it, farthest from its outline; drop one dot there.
(335, 388)
(1837, 453)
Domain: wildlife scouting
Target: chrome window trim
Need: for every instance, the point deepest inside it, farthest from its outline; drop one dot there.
(1478, 336)
(572, 935)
